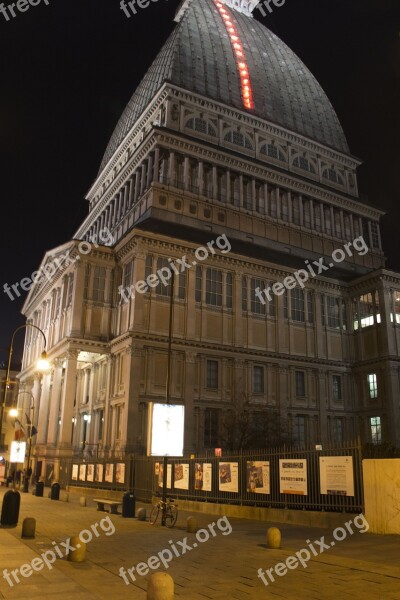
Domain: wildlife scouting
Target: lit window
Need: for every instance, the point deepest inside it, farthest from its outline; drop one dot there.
(396, 302)
(372, 385)
(337, 387)
(300, 384)
(258, 380)
(212, 374)
(376, 430)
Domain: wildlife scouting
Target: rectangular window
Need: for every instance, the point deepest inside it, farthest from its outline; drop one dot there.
(337, 387)
(211, 428)
(301, 429)
(323, 310)
(310, 307)
(99, 284)
(199, 279)
(376, 430)
(333, 308)
(100, 425)
(127, 275)
(229, 290)
(338, 430)
(366, 307)
(181, 286)
(162, 289)
(297, 305)
(213, 287)
(272, 305)
(372, 385)
(148, 266)
(257, 307)
(375, 234)
(244, 293)
(70, 289)
(285, 304)
(258, 380)
(86, 283)
(396, 302)
(212, 375)
(300, 384)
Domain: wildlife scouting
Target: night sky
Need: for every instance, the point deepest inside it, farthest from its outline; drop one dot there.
(69, 69)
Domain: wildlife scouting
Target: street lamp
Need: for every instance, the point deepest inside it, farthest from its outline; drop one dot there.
(14, 413)
(42, 365)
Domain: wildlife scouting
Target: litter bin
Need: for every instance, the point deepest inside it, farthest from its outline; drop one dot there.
(10, 508)
(128, 505)
(55, 491)
(39, 489)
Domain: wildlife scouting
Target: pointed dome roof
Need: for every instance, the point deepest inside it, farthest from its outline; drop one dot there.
(199, 57)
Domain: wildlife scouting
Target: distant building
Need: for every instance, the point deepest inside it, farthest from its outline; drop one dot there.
(8, 429)
(227, 134)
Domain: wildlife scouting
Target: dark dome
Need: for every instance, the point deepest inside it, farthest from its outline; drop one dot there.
(198, 56)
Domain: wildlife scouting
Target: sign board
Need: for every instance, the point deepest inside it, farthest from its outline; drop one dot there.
(17, 453)
(167, 425)
(336, 475)
(293, 476)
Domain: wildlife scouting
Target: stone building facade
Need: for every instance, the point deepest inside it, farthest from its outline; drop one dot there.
(227, 135)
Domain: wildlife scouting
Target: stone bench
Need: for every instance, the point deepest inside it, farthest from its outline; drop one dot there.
(113, 504)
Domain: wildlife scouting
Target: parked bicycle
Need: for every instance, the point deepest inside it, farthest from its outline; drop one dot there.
(171, 512)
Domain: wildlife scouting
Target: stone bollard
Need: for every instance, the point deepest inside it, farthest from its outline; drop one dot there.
(273, 538)
(192, 526)
(160, 587)
(141, 514)
(28, 528)
(79, 552)
(82, 501)
(64, 496)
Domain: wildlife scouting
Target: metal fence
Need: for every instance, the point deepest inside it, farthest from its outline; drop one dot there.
(302, 479)
(293, 478)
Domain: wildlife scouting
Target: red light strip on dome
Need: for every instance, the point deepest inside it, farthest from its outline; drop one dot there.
(247, 92)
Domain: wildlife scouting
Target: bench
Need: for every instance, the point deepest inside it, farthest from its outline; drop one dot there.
(113, 504)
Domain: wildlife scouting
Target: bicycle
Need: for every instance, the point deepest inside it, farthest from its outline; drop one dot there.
(171, 512)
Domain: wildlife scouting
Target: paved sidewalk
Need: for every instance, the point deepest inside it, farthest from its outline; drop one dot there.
(362, 567)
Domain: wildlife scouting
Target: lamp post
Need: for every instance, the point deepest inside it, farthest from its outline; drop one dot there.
(167, 395)
(42, 365)
(31, 434)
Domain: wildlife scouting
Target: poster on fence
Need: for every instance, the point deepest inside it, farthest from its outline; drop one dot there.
(336, 475)
(2, 472)
(229, 477)
(90, 473)
(161, 474)
(109, 473)
(74, 476)
(99, 472)
(82, 472)
(181, 476)
(203, 477)
(293, 476)
(258, 477)
(120, 473)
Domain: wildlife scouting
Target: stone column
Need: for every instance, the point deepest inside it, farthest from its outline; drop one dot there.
(77, 300)
(241, 195)
(132, 436)
(137, 315)
(189, 436)
(312, 221)
(238, 321)
(143, 178)
(323, 400)
(67, 400)
(201, 178)
(156, 166)
(149, 178)
(186, 165)
(137, 184)
(171, 169)
(55, 402)
(43, 411)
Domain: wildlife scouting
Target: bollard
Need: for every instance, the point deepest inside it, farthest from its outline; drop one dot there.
(82, 501)
(39, 489)
(28, 528)
(10, 508)
(55, 491)
(192, 526)
(160, 587)
(273, 538)
(64, 497)
(78, 554)
(141, 514)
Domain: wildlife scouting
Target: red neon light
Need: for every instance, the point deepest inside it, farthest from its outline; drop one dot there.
(247, 92)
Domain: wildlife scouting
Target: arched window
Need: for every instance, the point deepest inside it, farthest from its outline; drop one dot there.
(272, 151)
(301, 162)
(239, 139)
(201, 125)
(332, 175)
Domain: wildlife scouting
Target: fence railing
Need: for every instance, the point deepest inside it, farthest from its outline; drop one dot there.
(292, 478)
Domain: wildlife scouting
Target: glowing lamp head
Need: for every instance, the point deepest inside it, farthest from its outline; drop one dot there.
(13, 412)
(43, 364)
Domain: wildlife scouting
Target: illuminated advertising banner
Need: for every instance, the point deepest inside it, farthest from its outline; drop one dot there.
(17, 453)
(167, 425)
